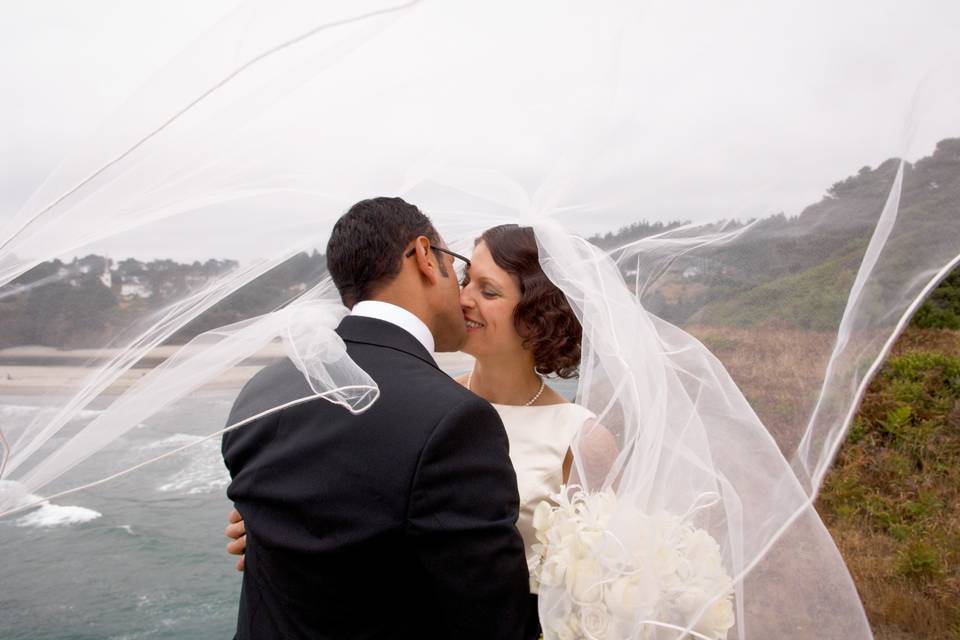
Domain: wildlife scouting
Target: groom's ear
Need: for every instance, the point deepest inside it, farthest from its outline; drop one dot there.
(426, 259)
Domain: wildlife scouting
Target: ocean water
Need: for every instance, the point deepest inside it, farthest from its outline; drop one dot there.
(140, 557)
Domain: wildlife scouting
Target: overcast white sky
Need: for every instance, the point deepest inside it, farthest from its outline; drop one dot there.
(828, 85)
(66, 65)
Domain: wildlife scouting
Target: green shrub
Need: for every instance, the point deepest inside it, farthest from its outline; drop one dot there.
(894, 494)
(919, 560)
(942, 309)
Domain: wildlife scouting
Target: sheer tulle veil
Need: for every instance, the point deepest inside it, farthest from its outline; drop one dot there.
(549, 115)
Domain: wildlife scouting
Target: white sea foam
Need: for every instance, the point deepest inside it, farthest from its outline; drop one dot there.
(29, 410)
(174, 441)
(204, 471)
(136, 635)
(202, 477)
(24, 411)
(45, 514)
(12, 495)
(55, 515)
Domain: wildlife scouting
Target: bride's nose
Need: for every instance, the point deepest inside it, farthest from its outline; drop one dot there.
(466, 300)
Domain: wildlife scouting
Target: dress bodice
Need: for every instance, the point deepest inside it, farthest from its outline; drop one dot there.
(539, 439)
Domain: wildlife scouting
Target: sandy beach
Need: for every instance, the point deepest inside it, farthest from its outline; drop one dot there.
(37, 370)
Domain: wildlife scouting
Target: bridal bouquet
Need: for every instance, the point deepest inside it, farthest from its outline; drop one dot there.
(668, 571)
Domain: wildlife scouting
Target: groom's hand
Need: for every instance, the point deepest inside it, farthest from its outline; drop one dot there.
(238, 537)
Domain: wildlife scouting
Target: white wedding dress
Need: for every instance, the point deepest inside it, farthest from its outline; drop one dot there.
(540, 437)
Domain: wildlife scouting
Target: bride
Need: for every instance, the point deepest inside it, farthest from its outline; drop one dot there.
(520, 330)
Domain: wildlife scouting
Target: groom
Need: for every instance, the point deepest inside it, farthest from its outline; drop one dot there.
(398, 522)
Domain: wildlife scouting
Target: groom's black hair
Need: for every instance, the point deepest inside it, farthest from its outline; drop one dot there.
(366, 246)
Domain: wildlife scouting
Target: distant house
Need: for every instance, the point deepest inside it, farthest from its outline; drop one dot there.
(196, 281)
(133, 288)
(107, 278)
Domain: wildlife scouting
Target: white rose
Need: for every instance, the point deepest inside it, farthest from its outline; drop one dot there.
(632, 597)
(584, 580)
(594, 622)
(703, 552)
(635, 522)
(564, 528)
(564, 629)
(690, 600)
(534, 584)
(553, 570)
(668, 562)
(597, 508)
(608, 502)
(537, 553)
(542, 520)
(717, 620)
(590, 538)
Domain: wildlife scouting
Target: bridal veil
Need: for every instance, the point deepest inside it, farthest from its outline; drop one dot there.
(577, 120)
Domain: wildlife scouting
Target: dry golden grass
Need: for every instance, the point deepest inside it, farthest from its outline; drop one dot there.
(892, 499)
(937, 340)
(895, 605)
(780, 371)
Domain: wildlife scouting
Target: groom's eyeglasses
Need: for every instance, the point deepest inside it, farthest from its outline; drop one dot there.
(441, 250)
(458, 269)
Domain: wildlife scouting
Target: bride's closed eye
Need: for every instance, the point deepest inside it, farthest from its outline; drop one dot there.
(486, 292)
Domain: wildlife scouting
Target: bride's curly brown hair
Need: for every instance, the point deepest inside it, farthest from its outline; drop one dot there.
(543, 317)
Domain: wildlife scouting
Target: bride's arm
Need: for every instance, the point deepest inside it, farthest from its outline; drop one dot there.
(597, 452)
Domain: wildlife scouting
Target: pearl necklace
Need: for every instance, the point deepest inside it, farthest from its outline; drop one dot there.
(543, 385)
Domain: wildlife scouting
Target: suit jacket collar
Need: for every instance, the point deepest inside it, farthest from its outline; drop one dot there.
(381, 333)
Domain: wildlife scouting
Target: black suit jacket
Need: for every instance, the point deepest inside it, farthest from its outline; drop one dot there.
(396, 523)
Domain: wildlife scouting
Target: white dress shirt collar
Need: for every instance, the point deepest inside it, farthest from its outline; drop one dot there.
(397, 316)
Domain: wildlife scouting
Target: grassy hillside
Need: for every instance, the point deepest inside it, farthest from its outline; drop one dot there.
(812, 299)
(892, 500)
(892, 497)
(942, 309)
(796, 271)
